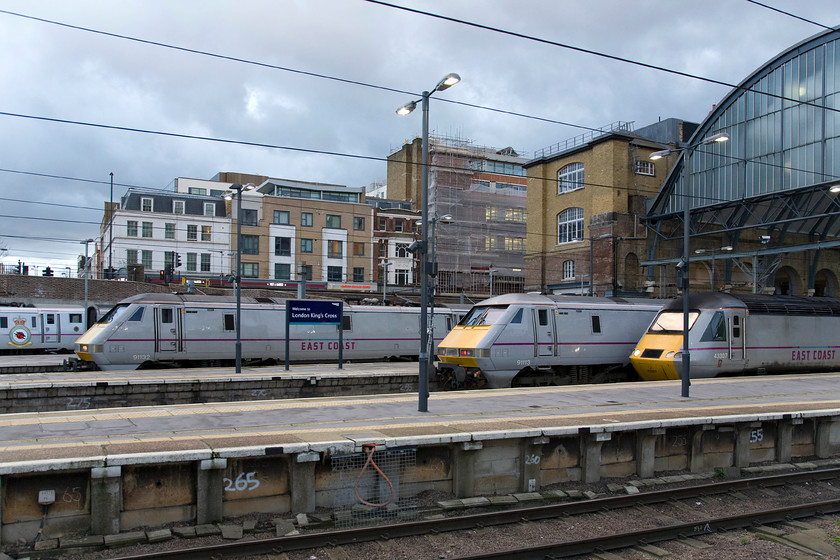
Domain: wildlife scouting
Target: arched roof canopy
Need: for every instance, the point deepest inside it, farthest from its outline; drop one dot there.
(773, 174)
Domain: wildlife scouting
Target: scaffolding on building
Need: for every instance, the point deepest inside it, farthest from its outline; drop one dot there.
(481, 250)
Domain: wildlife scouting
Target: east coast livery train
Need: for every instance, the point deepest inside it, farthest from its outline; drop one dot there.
(533, 339)
(176, 329)
(41, 328)
(738, 334)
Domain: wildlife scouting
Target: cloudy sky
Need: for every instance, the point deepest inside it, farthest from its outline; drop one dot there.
(319, 76)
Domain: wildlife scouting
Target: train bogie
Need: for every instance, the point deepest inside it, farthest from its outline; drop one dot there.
(532, 339)
(740, 334)
(155, 329)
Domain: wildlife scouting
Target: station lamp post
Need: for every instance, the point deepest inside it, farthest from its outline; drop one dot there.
(235, 191)
(445, 219)
(423, 382)
(86, 242)
(384, 266)
(685, 373)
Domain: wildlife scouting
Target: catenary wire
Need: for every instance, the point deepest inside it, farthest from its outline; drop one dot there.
(769, 7)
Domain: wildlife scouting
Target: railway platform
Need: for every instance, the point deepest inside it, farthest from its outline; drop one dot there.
(115, 470)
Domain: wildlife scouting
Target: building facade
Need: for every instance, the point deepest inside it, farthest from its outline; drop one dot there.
(586, 197)
(480, 246)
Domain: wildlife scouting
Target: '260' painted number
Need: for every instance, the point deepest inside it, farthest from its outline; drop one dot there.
(243, 482)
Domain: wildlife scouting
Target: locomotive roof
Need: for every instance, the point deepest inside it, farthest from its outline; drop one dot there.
(510, 299)
(761, 304)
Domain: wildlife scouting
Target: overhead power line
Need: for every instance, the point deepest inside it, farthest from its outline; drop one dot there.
(769, 7)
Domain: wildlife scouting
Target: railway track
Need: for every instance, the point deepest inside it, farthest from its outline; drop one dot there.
(702, 525)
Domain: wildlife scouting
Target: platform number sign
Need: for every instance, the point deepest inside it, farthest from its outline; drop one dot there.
(315, 312)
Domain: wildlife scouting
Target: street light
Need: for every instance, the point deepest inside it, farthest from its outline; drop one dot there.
(701, 251)
(384, 266)
(423, 382)
(445, 219)
(235, 191)
(685, 373)
(86, 242)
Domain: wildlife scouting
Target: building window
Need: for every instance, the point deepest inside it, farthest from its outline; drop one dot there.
(306, 219)
(146, 259)
(401, 276)
(192, 232)
(305, 245)
(178, 207)
(335, 249)
(131, 256)
(131, 228)
(205, 233)
(205, 262)
(147, 229)
(570, 225)
(249, 217)
(383, 223)
(334, 274)
(282, 271)
(283, 246)
(169, 258)
(191, 262)
(645, 168)
(401, 251)
(358, 249)
(491, 213)
(306, 272)
(568, 270)
(197, 190)
(209, 209)
(250, 270)
(359, 223)
(358, 274)
(570, 178)
(146, 204)
(383, 249)
(251, 245)
(514, 215)
(169, 231)
(281, 217)
(333, 221)
(398, 225)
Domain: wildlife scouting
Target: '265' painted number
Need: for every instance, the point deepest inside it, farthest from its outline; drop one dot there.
(245, 481)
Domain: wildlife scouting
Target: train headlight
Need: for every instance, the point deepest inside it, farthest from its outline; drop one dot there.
(637, 352)
(669, 355)
(83, 348)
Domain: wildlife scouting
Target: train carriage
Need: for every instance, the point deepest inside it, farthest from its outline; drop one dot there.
(738, 334)
(51, 328)
(534, 339)
(180, 329)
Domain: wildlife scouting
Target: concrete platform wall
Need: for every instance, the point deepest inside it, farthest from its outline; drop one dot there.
(99, 496)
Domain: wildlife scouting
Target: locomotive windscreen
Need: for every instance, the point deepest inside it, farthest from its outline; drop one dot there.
(671, 322)
(483, 315)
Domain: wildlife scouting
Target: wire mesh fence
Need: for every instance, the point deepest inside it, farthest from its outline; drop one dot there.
(369, 486)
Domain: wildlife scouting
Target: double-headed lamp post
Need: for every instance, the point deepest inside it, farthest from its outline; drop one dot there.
(235, 191)
(86, 242)
(685, 373)
(423, 382)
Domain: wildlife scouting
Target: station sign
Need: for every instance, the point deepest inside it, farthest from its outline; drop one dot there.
(314, 312)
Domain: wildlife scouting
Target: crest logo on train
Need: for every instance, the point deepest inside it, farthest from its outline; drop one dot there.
(19, 335)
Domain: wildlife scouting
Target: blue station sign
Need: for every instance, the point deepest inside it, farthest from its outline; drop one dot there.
(314, 312)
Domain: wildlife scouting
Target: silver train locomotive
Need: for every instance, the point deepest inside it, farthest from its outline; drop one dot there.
(736, 334)
(532, 339)
(151, 330)
(41, 328)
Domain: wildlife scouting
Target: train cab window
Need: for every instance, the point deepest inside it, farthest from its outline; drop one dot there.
(716, 331)
(4, 322)
(115, 312)
(671, 322)
(138, 315)
(596, 324)
(542, 317)
(230, 322)
(483, 315)
(518, 317)
(166, 315)
(346, 323)
(75, 318)
(50, 319)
